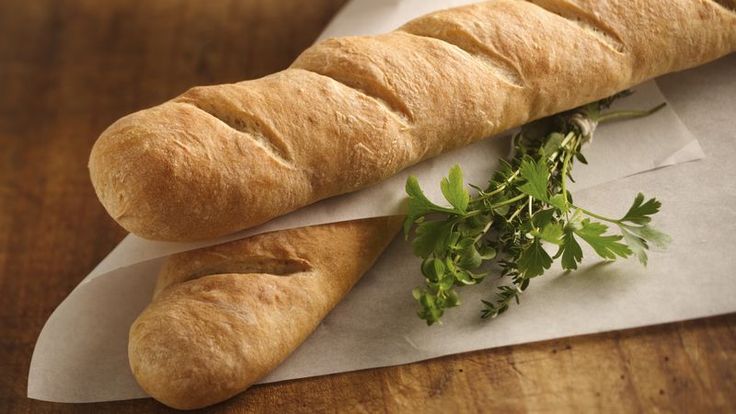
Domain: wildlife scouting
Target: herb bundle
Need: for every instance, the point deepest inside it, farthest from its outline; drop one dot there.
(526, 203)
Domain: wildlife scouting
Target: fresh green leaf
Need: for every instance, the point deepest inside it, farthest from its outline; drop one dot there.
(502, 210)
(454, 191)
(470, 258)
(570, 251)
(419, 204)
(414, 190)
(543, 217)
(607, 247)
(534, 260)
(581, 158)
(552, 233)
(465, 278)
(429, 311)
(637, 245)
(433, 269)
(447, 281)
(487, 252)
(474, 225)
(640, 212)
(558, 201)
(552, 144)
(452, 299)
(431, 236)
(639, 237)
(536, 174)
(652, 235)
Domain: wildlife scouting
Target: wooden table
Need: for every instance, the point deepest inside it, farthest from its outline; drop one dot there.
(68, 68)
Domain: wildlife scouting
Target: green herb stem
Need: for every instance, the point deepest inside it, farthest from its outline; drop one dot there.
(624, 115)
(597, 216)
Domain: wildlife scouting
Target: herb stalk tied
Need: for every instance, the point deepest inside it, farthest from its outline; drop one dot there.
(526, 204)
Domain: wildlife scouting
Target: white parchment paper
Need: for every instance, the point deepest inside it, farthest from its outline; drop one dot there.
(81, 356)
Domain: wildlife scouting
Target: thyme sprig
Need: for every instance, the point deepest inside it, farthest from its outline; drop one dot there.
(525, 205)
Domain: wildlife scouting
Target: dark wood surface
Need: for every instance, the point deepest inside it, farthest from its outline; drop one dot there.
(70, 68)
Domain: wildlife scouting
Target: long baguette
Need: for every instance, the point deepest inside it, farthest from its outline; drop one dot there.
(224, 316)
(352, 111)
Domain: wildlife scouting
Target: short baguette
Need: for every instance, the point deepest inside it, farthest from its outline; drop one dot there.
(353, 111)
(224, 316)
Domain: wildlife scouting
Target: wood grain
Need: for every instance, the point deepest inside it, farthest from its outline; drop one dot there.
(70, 68)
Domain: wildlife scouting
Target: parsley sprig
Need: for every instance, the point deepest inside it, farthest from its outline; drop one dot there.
(525, 205)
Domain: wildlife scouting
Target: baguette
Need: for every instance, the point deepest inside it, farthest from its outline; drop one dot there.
(224, 316)
(352, 111)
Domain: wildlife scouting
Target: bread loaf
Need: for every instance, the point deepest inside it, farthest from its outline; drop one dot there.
(352, 111)
(224, 316)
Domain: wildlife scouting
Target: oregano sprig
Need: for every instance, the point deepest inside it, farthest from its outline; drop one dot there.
(526, 204)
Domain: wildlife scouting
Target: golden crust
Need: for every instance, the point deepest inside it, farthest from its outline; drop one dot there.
(352, 111)
(224, 316)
